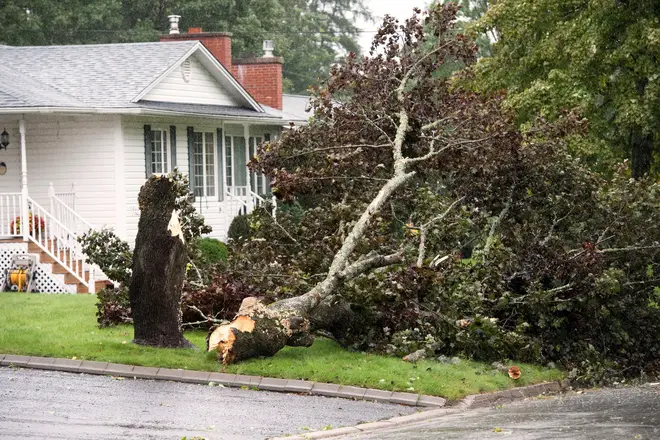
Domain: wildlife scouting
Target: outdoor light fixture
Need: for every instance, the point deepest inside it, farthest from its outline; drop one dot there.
(4, 139)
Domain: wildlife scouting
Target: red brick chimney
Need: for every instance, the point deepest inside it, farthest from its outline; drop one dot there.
(261, 77)
(218, 43)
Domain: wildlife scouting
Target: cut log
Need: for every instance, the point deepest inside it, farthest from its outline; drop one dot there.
(256, 331)
(260, 330)
(159, 266)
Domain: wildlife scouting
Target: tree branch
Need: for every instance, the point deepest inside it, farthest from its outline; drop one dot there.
(496, 223)
(424, 229)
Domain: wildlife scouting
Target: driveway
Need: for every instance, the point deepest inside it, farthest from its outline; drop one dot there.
(611, 414)
(52, 405)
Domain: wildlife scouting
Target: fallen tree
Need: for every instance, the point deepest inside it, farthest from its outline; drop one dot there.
(399, 120)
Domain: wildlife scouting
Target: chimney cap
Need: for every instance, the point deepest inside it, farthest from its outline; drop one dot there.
(269, 46)
(174, 23)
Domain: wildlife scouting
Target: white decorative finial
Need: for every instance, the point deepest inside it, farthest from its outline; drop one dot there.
(174, 23)
(269, 46)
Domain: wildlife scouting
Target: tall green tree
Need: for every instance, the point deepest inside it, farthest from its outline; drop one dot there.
(599, 56)
(309, 34)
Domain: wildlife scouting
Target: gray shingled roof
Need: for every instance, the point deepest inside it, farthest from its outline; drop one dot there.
(204, 109)
(99, 75)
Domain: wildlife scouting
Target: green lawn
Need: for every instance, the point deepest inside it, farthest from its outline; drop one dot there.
(65, 326)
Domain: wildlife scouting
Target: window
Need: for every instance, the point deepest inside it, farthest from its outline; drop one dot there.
(203, 164)
(236, 165)
(158, 153)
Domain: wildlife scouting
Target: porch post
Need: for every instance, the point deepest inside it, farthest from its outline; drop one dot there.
(24, 186)
(246, 134)
(223, 164)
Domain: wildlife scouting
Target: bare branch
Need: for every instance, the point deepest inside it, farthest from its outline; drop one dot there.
(207, 319)
(424, 229)
(341, 147)
(496, 223)
(366, 264)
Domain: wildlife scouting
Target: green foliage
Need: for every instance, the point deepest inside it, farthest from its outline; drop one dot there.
(527, 255)
(239, 228)
(113, 307)
(309, 34)
(110, 253)
(212, 251)
(601, 57)
(192, 223)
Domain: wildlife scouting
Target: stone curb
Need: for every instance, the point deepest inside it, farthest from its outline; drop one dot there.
(293, 386)
(228, 380)
(470, 402)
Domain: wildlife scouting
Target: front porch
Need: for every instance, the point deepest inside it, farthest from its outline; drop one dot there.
(44, 224)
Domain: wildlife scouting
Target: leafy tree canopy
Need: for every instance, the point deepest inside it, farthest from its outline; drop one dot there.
(599, 56)
(309, 34)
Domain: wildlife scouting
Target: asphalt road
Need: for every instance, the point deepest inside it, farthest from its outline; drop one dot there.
(612, 414)
(52, 405)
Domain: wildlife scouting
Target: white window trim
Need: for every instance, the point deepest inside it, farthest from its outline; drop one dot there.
(164, 134)
(213, 132)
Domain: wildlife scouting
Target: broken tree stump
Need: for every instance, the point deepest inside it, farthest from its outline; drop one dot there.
(159, 267)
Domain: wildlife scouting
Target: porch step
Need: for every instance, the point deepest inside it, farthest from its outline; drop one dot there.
(98, 285)
(57, 268)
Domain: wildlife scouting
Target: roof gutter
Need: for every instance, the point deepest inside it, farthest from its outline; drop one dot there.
(132, 111)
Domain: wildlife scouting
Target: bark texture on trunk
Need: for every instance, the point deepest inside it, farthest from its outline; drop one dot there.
(260, 330)
(159, 266)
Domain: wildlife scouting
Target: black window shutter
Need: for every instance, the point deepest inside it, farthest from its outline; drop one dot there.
(148, 145)
(173, 145)
(190, 157)
(221, 171)
(267, 137)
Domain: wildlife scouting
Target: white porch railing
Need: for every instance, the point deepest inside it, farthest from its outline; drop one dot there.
(62, 207)
(246, 200)
(10, 213)
(55, 232)
(67, 198)
(59, 242)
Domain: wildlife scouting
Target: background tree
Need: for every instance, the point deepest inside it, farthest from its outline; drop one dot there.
(309, 34)
(599, 56)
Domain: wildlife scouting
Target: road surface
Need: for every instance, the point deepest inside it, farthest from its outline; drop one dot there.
(612, 414)
(37, 404)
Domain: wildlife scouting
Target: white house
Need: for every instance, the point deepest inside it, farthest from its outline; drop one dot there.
(84, 126)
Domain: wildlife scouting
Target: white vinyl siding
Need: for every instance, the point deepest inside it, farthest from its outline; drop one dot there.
(71, 152)
(201, 88)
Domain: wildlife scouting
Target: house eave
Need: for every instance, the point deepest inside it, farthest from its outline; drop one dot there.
(136, 111)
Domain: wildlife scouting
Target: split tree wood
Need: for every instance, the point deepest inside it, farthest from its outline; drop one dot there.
(159, 266)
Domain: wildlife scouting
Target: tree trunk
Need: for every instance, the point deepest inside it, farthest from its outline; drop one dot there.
(260, 330)
(159, 266)
(641, 152)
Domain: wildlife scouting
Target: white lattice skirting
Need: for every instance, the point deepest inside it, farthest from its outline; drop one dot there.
(45, 280)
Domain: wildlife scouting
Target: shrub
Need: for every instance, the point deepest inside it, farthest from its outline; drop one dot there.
(113, 307)
(212, 251)
(239, 228)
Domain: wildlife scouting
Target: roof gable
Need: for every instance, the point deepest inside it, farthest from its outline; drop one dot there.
(209, 83)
